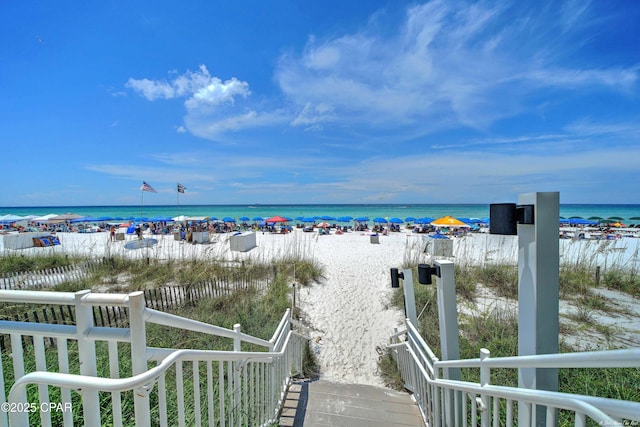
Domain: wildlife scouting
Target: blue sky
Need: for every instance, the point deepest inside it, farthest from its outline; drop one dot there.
(319, 102)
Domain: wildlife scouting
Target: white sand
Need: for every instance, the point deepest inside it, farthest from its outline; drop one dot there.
(348, 310)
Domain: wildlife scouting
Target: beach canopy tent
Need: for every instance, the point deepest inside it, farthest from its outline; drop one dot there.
(64, 217)
(184, 218)
(11, 219)
(44, 218)
(448, 221)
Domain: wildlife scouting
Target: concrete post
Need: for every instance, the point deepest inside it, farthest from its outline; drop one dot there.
(538, 294)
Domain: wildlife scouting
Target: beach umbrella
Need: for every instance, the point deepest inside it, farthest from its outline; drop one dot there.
(328, 218)
(362, 219)
(410, 219)
(396, 221)
(257, 218)
(617, 218)
(105, 218)
(228, 219)
(380, 220)
(448, 221)
(276, 218)
(438, 236)
(424, 220)
(244, 218)
(345, 218)
(308, 219)
(595, 218)
(323, 225)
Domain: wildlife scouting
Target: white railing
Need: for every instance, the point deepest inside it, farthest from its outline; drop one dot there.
(445, 402)
(194, 387)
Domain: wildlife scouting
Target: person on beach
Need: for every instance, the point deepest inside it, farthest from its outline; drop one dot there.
(112, 232)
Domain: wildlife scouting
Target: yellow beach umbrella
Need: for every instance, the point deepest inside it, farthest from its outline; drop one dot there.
(448, 221)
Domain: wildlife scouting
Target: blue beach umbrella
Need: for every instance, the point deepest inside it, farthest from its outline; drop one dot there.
(257, 218)
(362, 219)
(328, 218)
(380, 220)
(396, 221)
(345, 218)
(409, 219)
(244, 218)
(228, 219)
(308, 219)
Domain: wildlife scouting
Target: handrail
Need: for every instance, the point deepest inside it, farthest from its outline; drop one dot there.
(143, 382)
(167, 319)
(421, 375)
(538, 397)
(623, 358)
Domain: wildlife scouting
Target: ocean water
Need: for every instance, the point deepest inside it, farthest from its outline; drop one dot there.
(402, 211)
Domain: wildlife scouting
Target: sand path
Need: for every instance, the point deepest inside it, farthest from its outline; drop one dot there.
(348, 310)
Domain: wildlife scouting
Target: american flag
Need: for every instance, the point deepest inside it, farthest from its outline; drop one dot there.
(181, 188)
(147, 187)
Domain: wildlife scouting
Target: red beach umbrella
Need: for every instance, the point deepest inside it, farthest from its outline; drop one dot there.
(276, 219)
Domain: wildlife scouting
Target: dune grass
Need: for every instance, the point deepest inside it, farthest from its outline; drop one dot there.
(258, 311)
(497, 330)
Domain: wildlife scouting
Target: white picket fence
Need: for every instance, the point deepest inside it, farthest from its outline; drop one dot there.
(445, 402)
(167, 386)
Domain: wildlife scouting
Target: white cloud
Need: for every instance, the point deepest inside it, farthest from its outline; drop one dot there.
(311, 115)
(152, 90)
(200, 88)
(469, 64)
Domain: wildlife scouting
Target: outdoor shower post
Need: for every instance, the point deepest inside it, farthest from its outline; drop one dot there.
(409, 297)
(538, 295)
(449, 339)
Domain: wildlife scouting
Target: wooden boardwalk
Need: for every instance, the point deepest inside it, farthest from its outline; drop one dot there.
(321, 403)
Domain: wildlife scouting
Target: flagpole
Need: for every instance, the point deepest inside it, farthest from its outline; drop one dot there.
(141, 203)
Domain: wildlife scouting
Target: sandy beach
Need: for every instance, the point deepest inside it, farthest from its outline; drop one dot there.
(349, 310)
